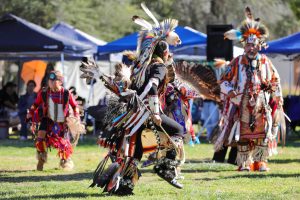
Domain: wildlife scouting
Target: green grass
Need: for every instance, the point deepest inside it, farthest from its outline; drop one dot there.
(203, 179)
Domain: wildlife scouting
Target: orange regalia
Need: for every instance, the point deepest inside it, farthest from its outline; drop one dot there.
(248, 117)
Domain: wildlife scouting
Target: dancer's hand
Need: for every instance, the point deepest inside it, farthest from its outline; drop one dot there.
(232, 94)
(90, 70)
(279, 100)
(28, 116)
(157, 120)
(33, 127)
(193, 137)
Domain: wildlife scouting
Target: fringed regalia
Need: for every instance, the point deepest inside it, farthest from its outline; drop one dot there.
(248, 119)
(55, 121)
(177, 104)
(128, 114)
(140, 94)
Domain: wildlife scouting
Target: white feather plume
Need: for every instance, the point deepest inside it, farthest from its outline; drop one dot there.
(142, 22)
(149, 13)
(233, 34)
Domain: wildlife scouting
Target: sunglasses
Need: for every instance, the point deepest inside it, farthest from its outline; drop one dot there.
(52, 76)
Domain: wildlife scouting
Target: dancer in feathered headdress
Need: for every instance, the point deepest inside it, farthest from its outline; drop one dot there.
(143, 109)
(250, 31)
(143, 100)
(148, 39)
(250, 83)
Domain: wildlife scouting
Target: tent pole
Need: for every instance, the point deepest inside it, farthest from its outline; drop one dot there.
(89, 100)
(87, 105)
(290, 78)
(93, 97)
(19, 77)
(93, 92)
(62, 60)
(110, 69)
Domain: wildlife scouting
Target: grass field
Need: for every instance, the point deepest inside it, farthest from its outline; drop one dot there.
(203, 179)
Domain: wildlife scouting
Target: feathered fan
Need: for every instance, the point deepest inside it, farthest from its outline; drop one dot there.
(202, 78)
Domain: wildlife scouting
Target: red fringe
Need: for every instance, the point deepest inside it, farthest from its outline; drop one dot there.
(41, 146)
(273, 106)
(63, 146)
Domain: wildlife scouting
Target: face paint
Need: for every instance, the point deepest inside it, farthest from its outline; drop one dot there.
(251, 50)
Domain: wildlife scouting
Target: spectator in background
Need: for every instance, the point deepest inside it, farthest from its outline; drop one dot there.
(210, 117)
(98, 112)
(80, 100)
(197, 110)
(8, 104)
(8, 96)
(24, 104)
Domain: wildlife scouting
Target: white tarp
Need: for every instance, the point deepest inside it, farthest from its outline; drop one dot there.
(236, 52)
(285, 68)
(72, 74)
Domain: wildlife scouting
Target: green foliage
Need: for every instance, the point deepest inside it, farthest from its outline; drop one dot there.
(286, 26)
(295, 6)
(107, 20)
(198, 13)
(161, 9)
(110, 20)
(41, 12)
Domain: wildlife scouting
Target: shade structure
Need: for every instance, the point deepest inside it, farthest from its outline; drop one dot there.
(287, 45)
(70, 31)
(20, 39)
(187, 35)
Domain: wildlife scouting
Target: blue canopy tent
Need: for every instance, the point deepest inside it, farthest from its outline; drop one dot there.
(69, 31)
(128, 42)
(187, 35)
(22, 40)
(287, 45)
(191, 50)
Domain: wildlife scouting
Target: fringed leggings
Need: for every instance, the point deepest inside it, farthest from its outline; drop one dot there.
(250, 151)
(48, 137)
(170, 126)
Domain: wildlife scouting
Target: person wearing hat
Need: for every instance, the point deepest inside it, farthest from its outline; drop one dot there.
(55, 101)
(247, 85)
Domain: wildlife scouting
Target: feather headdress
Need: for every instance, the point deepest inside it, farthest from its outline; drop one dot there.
(149, 37)
(250, 31)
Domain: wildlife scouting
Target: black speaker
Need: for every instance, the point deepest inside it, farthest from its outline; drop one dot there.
(216, 46)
